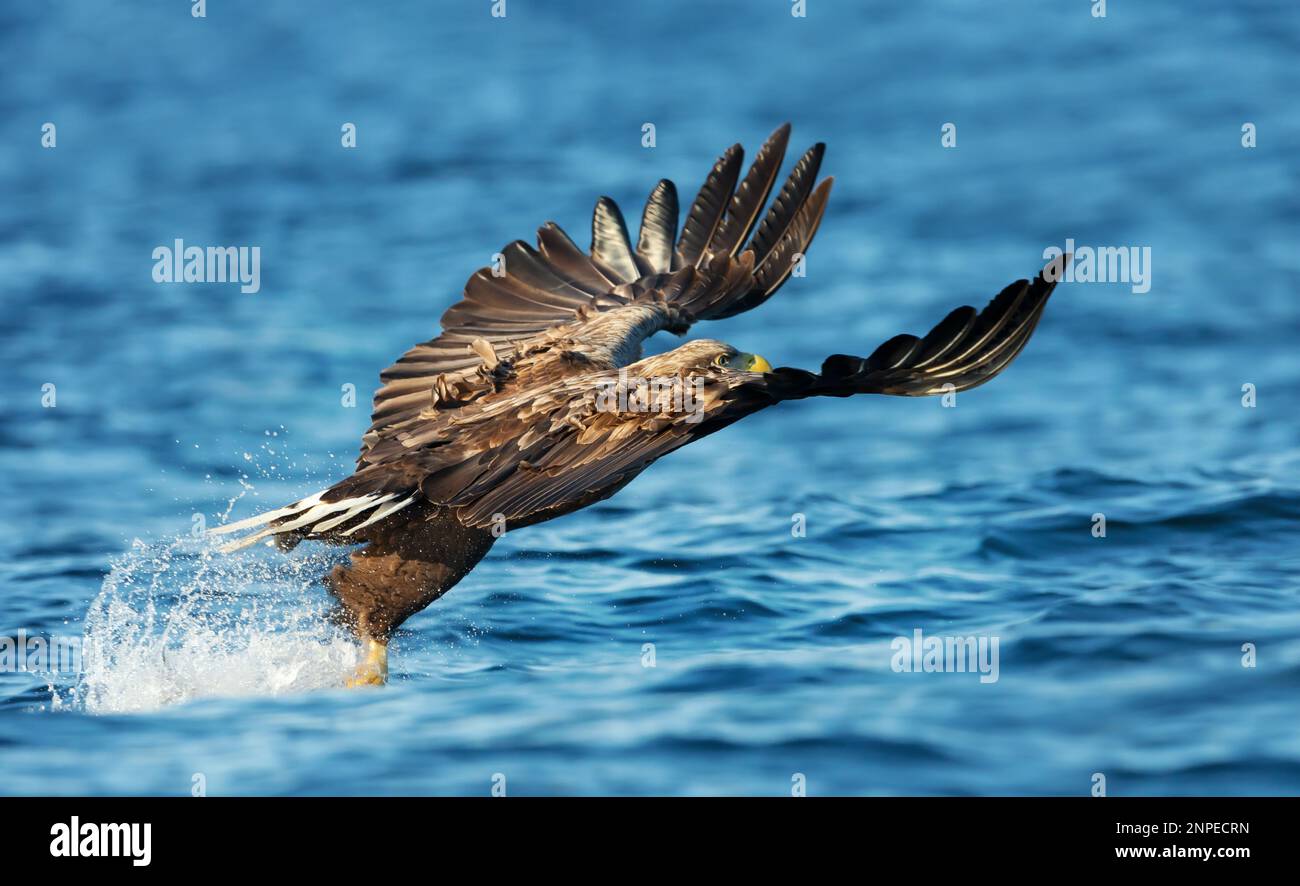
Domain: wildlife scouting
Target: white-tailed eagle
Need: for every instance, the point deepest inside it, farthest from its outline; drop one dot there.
(534, 400)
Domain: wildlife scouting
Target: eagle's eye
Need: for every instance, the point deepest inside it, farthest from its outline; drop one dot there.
(722, 360)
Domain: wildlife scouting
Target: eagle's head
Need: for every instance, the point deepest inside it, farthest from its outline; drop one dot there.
(703, 356)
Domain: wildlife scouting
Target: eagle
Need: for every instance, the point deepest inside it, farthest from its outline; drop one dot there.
(535, 401)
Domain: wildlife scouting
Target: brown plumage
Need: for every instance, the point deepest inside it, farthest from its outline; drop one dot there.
(530, 404)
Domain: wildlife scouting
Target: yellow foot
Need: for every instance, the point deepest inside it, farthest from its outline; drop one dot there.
(374, 670)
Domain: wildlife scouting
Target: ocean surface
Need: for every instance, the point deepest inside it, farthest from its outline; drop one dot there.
(682, 638)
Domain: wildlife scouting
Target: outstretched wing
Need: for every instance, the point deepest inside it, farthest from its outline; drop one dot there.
(706, 273)
(561, 461)
(966, 349)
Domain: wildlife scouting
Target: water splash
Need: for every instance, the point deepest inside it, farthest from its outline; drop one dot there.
(177, 621)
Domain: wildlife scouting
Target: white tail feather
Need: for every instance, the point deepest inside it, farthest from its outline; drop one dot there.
(382, 513)
(309, 513)
(342, 518)
(237, 544)
(267, 517)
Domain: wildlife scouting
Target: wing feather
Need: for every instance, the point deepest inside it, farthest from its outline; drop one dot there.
(788, 202)
(711, 202)
(659, 228)
(752, 194)
(609, 240)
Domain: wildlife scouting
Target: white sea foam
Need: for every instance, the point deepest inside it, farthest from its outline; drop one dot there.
(176, 622)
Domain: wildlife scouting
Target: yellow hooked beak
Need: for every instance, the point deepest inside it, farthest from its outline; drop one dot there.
(751, 363)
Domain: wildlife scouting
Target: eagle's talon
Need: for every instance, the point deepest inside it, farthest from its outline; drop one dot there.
(374, 670)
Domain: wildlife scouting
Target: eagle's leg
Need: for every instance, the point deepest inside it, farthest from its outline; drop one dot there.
(373, 670)
(400, 572)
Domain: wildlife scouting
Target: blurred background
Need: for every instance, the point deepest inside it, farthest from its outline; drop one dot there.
(1120, 655)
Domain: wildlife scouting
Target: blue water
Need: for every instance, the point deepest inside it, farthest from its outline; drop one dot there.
(1119, 655)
